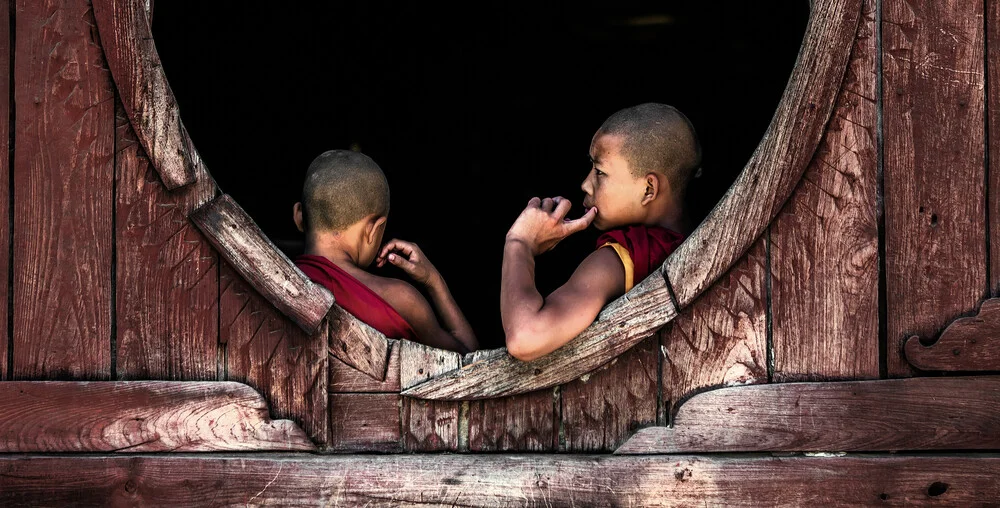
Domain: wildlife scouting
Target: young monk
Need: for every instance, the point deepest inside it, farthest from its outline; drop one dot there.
(642, 159)
(343, 213)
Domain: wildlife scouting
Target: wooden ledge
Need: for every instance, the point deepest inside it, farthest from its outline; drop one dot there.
(499, 480)
(967, 344)
(955, 413)
(140, 416)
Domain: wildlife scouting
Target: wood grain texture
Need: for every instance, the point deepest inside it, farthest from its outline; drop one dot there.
(5, 132)
(273, 355)
(140, 416)
(777, 165)
(365, 422)
(430, 425)
(63, 180)
(935, 229)
(621, 325)
(357, 344)
(500, 480)
(968, 344)
(142, 85)
(993, 143)
(347, 379)
(167, 280)
(522, 423)
(602, 409)
(824, 243)
(418, 363)
(722, 338)
(958, 413)
(245, 247)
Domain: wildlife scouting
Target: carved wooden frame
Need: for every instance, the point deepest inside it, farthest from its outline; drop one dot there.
(723, 237)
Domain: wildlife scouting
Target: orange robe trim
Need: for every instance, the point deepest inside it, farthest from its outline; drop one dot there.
(642, 249)
(355, 297)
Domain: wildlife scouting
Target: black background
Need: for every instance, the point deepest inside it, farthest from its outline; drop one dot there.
(470, 109)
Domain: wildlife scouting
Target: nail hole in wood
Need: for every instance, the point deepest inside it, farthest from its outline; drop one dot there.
(937, 488)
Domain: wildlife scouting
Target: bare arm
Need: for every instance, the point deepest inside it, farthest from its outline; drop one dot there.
(535, 326)
(411, 259)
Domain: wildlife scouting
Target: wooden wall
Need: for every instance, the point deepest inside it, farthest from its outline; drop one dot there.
(888, 235)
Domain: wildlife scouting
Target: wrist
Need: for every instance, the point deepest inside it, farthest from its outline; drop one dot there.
(515, 243)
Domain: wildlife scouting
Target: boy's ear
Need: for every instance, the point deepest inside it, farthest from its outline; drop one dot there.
(297, 216)
(652, 189)
(374, 229)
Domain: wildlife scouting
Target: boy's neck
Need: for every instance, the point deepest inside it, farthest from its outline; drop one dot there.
(333, 246)
(673, 217)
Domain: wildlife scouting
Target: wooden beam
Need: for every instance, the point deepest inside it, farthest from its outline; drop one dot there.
(968, 344)
(140, 416)
(622, 324)
(357, 344)
(6, 103)
(245, 247)
(824, 243)
(934, 169)
(142, 85)
(347, 379)
(365, 422)
(993, 143)
(499, 480)
(63, 194)
(957, 413)
(777, 165)
(428, 425)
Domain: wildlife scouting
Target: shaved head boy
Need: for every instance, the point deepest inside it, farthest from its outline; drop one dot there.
(642, 159)
(343, 213)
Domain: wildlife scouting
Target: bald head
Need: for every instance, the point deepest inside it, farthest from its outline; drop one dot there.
(657, 138)
(341, 188)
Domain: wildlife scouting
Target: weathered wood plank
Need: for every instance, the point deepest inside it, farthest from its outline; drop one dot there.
(602, 409)
(418, 363)
(245, 247)
(167, 281)
(500, 480)
(357, 344)
(347, 379)
(722, 338)
(993, 124)
(776, 167)
(63, 180)
(139, 416)
(5, 132)
(935, 230)
(523, 423)
(968, 344)
(621, 325)
(824, 243)
(365, 422)
(270, 353)
(956, 413)
(143, 88)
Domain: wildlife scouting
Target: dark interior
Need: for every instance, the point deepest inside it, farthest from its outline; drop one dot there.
(470, 109)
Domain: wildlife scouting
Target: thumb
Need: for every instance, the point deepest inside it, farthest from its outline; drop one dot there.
(580, 224)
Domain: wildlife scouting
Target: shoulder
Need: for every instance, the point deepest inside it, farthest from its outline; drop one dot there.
(601, 270)
(400, 294)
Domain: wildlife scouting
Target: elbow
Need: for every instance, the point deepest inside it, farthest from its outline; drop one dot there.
(523, 346)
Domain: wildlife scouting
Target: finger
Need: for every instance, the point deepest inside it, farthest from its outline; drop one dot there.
(580, 224)
(547, 205)
(534, 202)
(404, 247)
(401, 262)
(562, 207)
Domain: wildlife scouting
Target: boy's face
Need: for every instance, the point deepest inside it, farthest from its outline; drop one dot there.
(610, 185)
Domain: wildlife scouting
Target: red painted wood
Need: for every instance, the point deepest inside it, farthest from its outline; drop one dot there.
(347, 379)
(968, 344)
(721, 338)
(523, 423)
(993, 109)
(824, 243)
(5, 105)
(63, 178)
(140, 416)
(269, 352)
(167, 284)
(365, 422)
(430, 425)
(933, 117)
(499, 480)
(602, 409)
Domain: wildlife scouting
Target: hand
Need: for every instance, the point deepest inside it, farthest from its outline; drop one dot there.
(408, 257)
(543, 224)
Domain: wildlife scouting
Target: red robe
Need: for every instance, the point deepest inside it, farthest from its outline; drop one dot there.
(641, 249)
(355, 297)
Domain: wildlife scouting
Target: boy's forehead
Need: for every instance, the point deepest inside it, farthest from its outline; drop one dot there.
(604, 145)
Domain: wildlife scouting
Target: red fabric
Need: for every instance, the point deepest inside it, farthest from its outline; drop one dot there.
(648, 246)
(356, 297)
